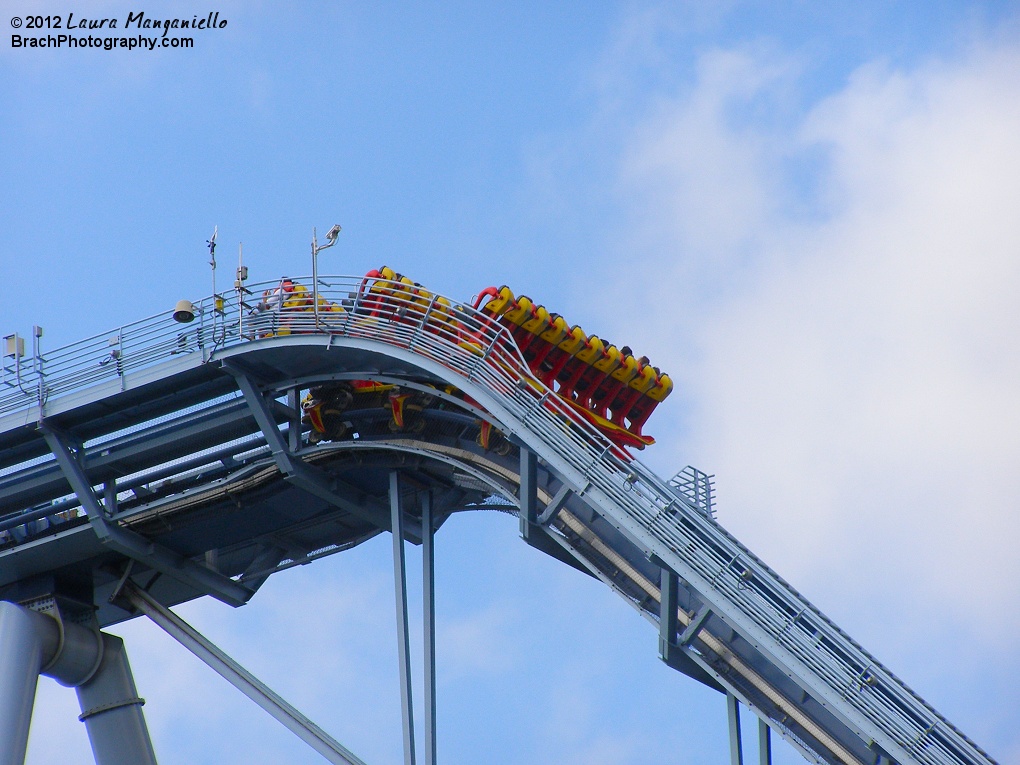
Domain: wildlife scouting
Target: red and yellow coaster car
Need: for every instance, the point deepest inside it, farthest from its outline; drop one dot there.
(607, 386)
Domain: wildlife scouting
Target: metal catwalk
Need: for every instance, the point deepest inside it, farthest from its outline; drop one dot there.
(165, 461)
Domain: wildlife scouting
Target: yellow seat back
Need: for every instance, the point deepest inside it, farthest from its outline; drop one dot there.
(557, 332)
(539, 321)
(592, 351)
(575, 341)
(498, 306)
(645, 380)
(521, 311)
(627, 370)
(662, 388)
(611, 358)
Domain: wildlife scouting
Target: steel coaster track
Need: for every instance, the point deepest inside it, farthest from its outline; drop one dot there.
(729, 587)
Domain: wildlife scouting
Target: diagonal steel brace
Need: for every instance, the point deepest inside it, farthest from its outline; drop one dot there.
(132, 544)
(316, 482)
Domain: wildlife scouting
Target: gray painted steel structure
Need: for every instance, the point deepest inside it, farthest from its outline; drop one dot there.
(45, 640)
(170, 458)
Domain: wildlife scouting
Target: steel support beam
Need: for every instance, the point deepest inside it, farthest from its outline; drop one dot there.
(764, 743)
(668, 585)
(33, 643)
(112, 711)
(429, 620)
(554, 506)
(671, 649)
(403, 639)
(528, 495)
(22, 651)
(133, 545)
(733, 717)
(121, 456)
(294, 428)
(531, 530)
(302, 475)
(239, 677)
(695, 625)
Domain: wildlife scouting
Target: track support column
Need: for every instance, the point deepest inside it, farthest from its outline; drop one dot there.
(528, 494)
(764, 743)
(403, 640)
(428, 538)
(22, 652)
(668, 585)
(733, 716)
(112, 711)
(93, 662)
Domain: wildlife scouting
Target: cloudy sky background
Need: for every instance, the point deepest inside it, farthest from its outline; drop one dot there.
(806, 214)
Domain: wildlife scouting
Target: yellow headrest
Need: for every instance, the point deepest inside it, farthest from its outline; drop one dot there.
(574, 341)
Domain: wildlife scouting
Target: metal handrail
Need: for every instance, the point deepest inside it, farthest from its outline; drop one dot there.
(473, 346)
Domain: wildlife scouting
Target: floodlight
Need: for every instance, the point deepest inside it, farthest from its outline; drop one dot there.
(184, 311)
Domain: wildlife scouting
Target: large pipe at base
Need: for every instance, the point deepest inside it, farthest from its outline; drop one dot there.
(34, 643)
(112, 711)
(21, 646)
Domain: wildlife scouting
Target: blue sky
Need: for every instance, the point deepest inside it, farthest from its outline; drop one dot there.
(805, 212)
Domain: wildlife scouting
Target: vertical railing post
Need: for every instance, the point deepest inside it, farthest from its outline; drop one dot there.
(422, 323)
(481, 359)
(40, 377)
(120, 357)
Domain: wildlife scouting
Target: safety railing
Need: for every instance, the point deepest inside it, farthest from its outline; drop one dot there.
(33, 381)
(478, 349)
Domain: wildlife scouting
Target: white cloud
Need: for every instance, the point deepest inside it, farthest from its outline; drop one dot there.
(701, 178)
(853, 375)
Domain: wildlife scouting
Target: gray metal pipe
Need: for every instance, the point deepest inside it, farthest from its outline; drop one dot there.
(403, 639)
(33, 643)
(112, 711)
(21, 646)
(428, 539)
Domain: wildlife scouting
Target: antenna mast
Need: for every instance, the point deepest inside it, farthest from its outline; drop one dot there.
(217, 300)
(211, 242)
